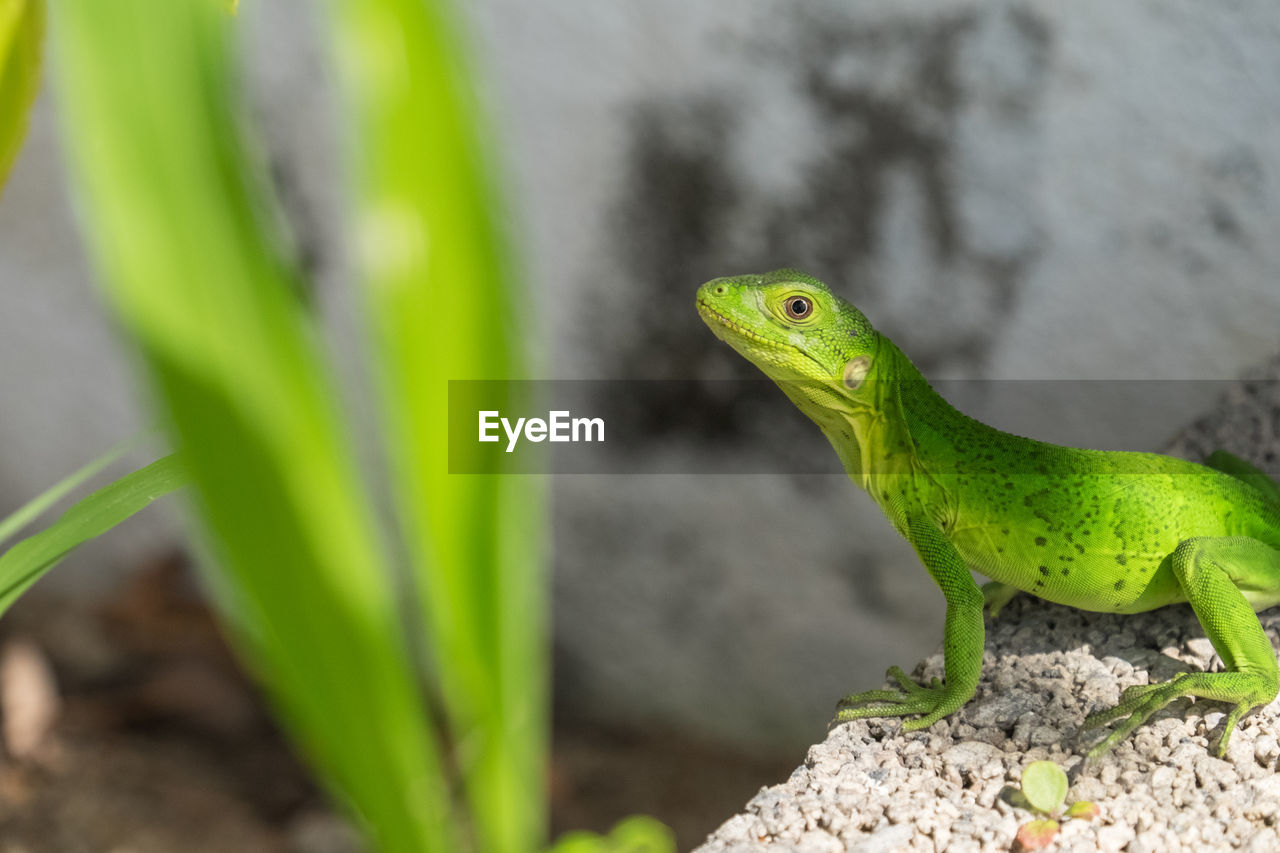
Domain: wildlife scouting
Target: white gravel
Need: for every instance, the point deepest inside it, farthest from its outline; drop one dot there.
(869, 787)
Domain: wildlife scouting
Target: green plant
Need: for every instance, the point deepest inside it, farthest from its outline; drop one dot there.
(21, 41)
(29, 559)
(1044, 791)
(631, 835)
(22, 25)
(196, 264)
(424, 211)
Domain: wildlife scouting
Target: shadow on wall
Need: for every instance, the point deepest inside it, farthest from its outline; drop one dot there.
(895, 160)
(914, 190)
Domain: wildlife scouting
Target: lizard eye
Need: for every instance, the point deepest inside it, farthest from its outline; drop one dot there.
(798, 307)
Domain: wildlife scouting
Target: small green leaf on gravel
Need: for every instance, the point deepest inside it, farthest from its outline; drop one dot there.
(1045, 786)
(1038, 834)
(1083, 810)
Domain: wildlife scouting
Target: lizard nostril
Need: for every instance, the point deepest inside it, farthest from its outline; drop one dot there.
(721, 290)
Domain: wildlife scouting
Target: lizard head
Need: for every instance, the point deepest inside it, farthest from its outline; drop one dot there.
(792, 327)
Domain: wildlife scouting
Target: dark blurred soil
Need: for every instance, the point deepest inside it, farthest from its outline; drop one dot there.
(599, 777)
(161, 744)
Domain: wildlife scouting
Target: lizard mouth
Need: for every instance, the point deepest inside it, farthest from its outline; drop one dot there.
(714, 318)
(709, 313)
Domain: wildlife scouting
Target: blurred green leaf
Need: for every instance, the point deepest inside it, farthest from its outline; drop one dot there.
(194, 263)
(641, 834)
(637, 834)
(28, 560)
(1044, 784)
(21, 38)
(445, 304)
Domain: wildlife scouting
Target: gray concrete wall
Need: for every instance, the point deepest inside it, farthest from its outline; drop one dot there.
(1010, 190)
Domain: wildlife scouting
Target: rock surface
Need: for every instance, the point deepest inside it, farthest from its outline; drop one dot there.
(871, 787)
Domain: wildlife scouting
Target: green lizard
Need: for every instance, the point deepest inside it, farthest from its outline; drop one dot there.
(1106, 531)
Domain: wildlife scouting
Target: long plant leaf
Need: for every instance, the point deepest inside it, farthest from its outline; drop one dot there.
(445, 304)
(28, 560)
(192, 262)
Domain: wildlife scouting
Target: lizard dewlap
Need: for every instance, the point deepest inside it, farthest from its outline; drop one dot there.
(1099, 530)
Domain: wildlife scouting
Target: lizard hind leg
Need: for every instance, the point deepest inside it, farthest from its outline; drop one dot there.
(1216, 575)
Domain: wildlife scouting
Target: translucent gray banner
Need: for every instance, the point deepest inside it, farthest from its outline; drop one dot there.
(720, 427)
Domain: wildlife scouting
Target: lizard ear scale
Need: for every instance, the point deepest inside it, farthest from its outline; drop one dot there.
(856, 371)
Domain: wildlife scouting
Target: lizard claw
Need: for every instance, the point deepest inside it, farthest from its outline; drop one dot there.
(933, 701)
(1138, 703)
(1135, 707)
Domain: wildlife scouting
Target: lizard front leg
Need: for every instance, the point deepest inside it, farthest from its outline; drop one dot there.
(1217, 575)
(963, 645)
(997, 595)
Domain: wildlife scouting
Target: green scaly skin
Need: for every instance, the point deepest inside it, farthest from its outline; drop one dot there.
(1099, 530)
